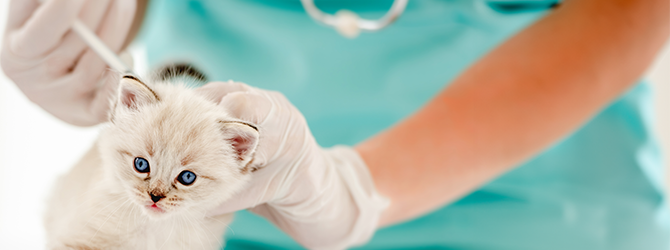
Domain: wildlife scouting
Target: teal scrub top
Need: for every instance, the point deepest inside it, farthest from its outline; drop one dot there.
(599, 188)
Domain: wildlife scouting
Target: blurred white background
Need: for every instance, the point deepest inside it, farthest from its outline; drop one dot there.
(35, 148)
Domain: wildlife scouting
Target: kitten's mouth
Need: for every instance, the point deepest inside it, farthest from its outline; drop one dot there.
(155, 208)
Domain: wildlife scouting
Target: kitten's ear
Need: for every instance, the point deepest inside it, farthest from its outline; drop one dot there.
(134, 93)
(244, 138)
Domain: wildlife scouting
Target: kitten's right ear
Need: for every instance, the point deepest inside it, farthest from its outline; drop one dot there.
(133, 93)
(244, 139)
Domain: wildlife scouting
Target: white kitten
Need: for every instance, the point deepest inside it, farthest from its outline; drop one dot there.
(166, 158)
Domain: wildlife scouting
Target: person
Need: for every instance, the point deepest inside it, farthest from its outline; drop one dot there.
(487, 124)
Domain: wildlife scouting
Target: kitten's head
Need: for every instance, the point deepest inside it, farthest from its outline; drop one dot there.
(174, 151)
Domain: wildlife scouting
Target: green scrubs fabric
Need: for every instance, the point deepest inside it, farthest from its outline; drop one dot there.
(599, 188)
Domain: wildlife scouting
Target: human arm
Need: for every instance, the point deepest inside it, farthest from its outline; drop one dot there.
(532, 90)
(497, 99)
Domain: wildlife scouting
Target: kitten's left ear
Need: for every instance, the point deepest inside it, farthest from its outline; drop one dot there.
(134, 93)
(244, 138)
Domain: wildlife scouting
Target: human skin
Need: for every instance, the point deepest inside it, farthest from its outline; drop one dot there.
(534, 89)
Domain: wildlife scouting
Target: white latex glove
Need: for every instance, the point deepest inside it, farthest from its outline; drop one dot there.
(52, 66)
(323, 198)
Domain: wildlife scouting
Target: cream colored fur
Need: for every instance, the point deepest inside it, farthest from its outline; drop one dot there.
(103, 202)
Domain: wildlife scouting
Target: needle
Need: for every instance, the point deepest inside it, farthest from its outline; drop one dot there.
(100, 48)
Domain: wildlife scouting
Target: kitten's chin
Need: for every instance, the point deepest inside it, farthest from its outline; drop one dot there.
(155, 212)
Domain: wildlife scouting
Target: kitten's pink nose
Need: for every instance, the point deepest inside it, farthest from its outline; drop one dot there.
(156, 198)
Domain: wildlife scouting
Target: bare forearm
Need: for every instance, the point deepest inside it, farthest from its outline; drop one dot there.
(532, 90)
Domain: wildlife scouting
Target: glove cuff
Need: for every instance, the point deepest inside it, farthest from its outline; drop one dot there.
(356, 176)
(335, 204)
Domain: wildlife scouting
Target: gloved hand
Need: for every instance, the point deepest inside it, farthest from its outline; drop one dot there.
(323, 198)
(52, 66)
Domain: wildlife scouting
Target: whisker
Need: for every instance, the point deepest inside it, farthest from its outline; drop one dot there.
(168, 237)
(216, 236)
(198, 234)
(100, 210)
(109, 216)
(118, 225)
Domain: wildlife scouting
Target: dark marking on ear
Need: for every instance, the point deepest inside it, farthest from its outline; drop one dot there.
(241, 144)
(241, 122)
(132, 77)
(138, 80)
(249, 169)
(246, 169)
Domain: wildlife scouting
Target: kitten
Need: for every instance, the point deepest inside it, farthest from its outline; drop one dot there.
(166, 158)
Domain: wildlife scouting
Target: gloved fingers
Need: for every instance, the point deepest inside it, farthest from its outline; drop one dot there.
(214, 91)
(247, 106)
(52, 65)
(16, 67)
(254, 108)
(278, 122)
(31, 73)
(117, 22)
(69, 102)
(261, 188)
(84, 77)
(112, 32)
(263, 210)
(93, 13)
(98, 108)
(58, 98)
(45, 28)
(246, 198)
(242, 101)
(283, 105)
(19, 12)
(64, 57)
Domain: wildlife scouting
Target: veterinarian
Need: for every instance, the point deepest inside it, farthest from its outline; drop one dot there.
(471, 124)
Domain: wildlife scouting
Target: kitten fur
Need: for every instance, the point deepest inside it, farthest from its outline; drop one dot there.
(104, 203)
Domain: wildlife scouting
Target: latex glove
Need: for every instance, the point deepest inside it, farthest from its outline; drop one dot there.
(323, 198)
(50, 63)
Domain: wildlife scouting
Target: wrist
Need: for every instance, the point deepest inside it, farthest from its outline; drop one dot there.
(364, 194)
(333, 206)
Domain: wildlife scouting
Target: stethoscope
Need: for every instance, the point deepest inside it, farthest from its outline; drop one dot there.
(349, 24)
(345, 22)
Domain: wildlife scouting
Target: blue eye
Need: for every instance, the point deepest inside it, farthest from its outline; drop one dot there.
(141, 165)
(186, 177)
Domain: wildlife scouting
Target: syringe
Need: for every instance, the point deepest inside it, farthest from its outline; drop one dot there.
(100, 48)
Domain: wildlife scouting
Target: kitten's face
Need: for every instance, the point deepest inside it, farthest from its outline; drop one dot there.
(175, 152)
